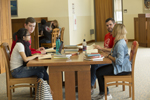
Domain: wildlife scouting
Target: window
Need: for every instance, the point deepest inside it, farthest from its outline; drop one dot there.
(13, 7)
(118, 11)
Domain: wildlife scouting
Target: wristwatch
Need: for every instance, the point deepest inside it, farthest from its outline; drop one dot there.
(108, 55)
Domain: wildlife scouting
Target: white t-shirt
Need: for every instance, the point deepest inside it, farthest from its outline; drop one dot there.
(16, 59)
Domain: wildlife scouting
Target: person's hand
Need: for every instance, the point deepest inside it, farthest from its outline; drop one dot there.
(52, 22)
(43, 52)
(106, 56)
(40, 49)
(97, 47)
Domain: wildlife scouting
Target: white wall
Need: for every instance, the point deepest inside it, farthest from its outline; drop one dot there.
(134, 7)
(53, 9)
(84, 11)
(61, 10)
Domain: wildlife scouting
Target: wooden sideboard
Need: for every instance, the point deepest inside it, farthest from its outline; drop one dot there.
(142, 29)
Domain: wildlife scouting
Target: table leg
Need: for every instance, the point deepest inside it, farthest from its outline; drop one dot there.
(55, 81)
(84, 87)
(70, 85)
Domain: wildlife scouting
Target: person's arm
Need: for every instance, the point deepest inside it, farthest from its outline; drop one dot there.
(107, 49)
(41, 32)
(50, 27)
(25, 58)
(118, 60)
(103, 49)
(111, 57)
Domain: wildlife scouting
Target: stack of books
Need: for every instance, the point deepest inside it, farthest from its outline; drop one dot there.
(64, 56)
(71, 49)
(94, 57)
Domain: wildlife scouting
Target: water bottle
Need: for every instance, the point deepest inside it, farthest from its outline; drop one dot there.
(57, 45)
(84, 46)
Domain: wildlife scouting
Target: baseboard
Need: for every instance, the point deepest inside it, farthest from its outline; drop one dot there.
(130, 40)
(87, 42)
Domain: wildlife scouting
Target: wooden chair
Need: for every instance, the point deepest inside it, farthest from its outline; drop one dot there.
(62, 34)
(55, 34)
(13, 83)
(125, 78)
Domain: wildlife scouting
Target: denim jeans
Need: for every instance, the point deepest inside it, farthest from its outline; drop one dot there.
(24, 71)
(93, 72)
(44, 41)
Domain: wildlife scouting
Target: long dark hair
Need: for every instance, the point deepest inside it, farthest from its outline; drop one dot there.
(20, 33)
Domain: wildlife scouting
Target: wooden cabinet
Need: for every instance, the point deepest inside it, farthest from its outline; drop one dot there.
(19, 23)
(5, 28)
(142, 29)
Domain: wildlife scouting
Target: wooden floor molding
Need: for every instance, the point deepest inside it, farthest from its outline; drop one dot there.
(87, 42)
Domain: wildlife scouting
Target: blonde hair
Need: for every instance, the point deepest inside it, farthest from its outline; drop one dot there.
(119, 32)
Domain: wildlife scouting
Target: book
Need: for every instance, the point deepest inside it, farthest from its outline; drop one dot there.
(71, 50)
(50, 50)
(46, 56)
(92, 54)
(94, 58)
(73, 53)
(64, 56)
(70, 47)
(90, 49)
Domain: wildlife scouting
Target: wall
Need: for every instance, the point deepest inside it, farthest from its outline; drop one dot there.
(53, 9)
(84, 12)
(134, 7)
(61, 10)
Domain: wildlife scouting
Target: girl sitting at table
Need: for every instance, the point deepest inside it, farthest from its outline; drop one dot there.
(121, 64)
(21, 54)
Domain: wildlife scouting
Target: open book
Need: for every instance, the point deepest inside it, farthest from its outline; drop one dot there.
(50, 50)
(90, 49)
(46, 56)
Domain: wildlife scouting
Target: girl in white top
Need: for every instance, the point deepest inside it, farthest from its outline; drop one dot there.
(21, 54)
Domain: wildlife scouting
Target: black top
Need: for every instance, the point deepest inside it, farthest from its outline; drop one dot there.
(46, 32)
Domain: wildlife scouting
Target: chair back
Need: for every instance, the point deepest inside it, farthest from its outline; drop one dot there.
(62, 34)
(6, 54)
(55, 34)
(133, 53)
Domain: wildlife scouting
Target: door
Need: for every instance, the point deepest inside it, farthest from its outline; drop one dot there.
(103, 10)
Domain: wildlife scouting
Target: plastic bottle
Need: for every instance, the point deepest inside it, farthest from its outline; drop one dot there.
(57, 45)
(84, 46)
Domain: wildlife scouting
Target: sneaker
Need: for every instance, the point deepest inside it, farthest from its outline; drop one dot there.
(92, 91)
(97, 97)
(109, 97)
(102, 97)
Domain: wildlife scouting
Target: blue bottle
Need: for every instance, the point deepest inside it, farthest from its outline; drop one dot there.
(57, 45)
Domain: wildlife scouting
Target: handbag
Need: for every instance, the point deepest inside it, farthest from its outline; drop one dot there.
(43, 91)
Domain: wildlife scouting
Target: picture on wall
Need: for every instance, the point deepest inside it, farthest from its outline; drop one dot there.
(13, 7)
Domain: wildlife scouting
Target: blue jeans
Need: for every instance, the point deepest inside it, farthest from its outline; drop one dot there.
(44, 41)
(93, 72)
(24, 71)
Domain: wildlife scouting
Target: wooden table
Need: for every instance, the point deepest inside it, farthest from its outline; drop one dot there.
(75, 63)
